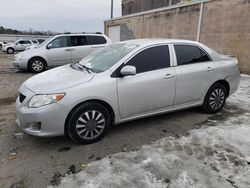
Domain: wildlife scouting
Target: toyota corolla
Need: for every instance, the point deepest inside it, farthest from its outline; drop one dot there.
(123, 82)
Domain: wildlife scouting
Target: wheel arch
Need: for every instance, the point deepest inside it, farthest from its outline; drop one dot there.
(10, 47)
(34, 57)
(102, 102)
(225, 84)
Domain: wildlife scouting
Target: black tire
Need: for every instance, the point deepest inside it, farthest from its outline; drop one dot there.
(10, 50)
(215, 98)
(79, 131)
(37, 65)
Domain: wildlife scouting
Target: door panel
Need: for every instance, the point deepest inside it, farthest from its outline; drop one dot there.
(195, 73)
(58, 56)
(59, 52)
(19, 46)
(146, 92)
(193, 80)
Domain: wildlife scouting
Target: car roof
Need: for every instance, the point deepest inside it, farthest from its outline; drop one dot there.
(82, 34)
(153, 41)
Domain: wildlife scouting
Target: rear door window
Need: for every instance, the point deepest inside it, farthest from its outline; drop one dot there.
(188, 54)
(21, 42)
(27, 42)
(94, 40)
(78, 40)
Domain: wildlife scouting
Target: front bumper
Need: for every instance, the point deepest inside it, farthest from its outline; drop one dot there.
(4, 49)
(20, 64)
(44, 121)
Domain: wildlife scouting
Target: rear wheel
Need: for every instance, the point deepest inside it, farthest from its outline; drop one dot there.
(215, 98)
(37, 65)
(88, 123)
(10, 50)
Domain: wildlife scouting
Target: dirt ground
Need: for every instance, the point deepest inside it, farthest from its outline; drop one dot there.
(27, 161)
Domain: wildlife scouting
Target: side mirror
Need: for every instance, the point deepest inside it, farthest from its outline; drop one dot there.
(49, 46)
(16, 43)
(128, 70)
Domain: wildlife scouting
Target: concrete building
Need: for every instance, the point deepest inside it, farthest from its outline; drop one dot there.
(223, 25)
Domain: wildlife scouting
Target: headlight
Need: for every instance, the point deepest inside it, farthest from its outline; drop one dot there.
(18, 56)
(41, 100)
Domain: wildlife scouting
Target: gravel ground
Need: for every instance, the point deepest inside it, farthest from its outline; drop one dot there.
(27, 161)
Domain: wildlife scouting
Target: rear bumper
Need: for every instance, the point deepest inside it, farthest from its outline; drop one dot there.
(234, 81)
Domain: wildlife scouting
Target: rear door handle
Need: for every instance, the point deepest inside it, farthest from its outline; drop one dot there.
(209, 69)
(168, 76)
(69, 49)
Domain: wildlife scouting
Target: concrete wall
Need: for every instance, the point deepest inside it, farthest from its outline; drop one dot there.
(10, 37)
(225, 26)
(134, 6)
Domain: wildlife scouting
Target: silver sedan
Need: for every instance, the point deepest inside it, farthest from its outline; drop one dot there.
(123, 82)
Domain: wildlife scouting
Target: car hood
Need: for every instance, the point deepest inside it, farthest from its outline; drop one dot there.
(57, 79)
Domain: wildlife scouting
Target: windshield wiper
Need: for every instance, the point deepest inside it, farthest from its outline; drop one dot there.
(89, 70)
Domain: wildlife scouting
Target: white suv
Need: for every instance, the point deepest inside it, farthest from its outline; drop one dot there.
(19, 45)
(60, 50)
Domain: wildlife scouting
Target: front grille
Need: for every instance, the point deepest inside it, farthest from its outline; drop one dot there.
(21, 97)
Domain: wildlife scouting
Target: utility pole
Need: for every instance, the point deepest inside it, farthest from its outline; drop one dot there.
(112, 8)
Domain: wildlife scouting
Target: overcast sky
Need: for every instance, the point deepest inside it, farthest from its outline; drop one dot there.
(57, 15)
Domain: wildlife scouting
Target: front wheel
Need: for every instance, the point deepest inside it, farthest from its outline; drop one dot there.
(10, 50)
(88, 123)
(37, 65)
(215, 98)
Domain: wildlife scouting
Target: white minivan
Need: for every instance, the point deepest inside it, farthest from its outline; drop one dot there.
(60, 50)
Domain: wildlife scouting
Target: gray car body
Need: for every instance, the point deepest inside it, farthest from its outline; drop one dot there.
(130, 97)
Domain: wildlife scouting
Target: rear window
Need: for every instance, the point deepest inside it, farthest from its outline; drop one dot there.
(92, 40)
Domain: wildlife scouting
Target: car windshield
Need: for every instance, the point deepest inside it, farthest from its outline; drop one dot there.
(44, 42)
(102, 60)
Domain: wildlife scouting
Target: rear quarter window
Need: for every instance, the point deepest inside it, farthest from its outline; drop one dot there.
(94, 40)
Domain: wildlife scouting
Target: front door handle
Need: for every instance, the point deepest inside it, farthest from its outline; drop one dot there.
(168, 76)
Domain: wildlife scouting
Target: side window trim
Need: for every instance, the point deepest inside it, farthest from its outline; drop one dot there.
(115, 74)
(189, 44)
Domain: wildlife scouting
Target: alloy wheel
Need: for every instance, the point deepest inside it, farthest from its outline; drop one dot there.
(217, 99)
(90, 124)
(37, 66)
